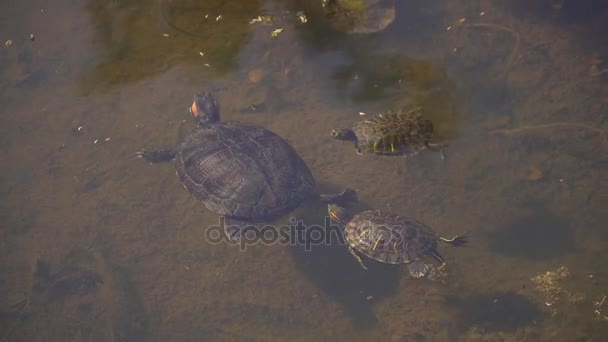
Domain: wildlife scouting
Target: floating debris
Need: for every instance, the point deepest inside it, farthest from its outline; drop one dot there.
(261, 19)
(76, 131)
(255, 75)
(534, 174)
(276, 32)
(549, 284)
(598, 308)
(301, 17)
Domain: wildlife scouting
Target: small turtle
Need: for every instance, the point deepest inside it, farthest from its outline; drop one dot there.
(405, 132)
(243, 172)
(390, 238)
(359, 16)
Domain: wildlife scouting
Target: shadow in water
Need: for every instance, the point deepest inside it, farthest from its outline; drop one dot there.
(586, 16)
(84, 296)
(495, 312)
(542, 234)
(139, 39)
(334, 270)
(565, 11)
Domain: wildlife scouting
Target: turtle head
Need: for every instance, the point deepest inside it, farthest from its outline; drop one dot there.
(343, 134)
(338, 213)
(204, 109)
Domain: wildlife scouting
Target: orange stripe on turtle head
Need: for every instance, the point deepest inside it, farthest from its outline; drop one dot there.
(335, 216)
(194, 109)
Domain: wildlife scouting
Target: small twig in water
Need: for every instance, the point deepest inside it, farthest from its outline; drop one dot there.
(595, 72)
(517, 130)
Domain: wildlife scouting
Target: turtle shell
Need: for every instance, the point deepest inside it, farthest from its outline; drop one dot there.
(243, 171)
(389, 238)
(404, 132)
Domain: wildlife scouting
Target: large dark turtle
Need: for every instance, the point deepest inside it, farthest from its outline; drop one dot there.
(243, 172)
(405, 132)
(359, 16)
(390, 238)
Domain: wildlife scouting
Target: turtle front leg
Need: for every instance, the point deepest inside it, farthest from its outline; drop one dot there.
(439, 258)
(357, 148)
(354, 254)
(157, 156)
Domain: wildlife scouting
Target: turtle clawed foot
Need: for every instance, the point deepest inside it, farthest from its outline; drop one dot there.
(157, 156)
(357, 148)
(146, 155)
(438, 146)
(234, 233)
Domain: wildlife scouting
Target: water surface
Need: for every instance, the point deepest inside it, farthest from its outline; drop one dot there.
(96, 244)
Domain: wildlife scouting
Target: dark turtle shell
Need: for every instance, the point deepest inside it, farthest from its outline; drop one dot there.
(404, 132)
(389, 238)
(243, 171)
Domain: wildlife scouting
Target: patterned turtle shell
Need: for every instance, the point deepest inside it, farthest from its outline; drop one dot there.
(406, 132)
(390, 238)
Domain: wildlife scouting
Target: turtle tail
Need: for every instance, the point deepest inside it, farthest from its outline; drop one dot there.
(457, 240)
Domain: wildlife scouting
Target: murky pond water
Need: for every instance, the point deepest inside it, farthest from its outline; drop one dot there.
(97, 244)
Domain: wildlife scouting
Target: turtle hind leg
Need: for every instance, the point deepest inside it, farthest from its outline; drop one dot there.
(356, 256)
(437, 147)
(457, 240)
(439, 258)
(157, 156)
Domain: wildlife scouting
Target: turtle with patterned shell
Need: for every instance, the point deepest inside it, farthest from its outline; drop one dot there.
(405, 132)
(390, 238)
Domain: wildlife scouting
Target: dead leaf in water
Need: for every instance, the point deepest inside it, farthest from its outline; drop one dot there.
(534, 174)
